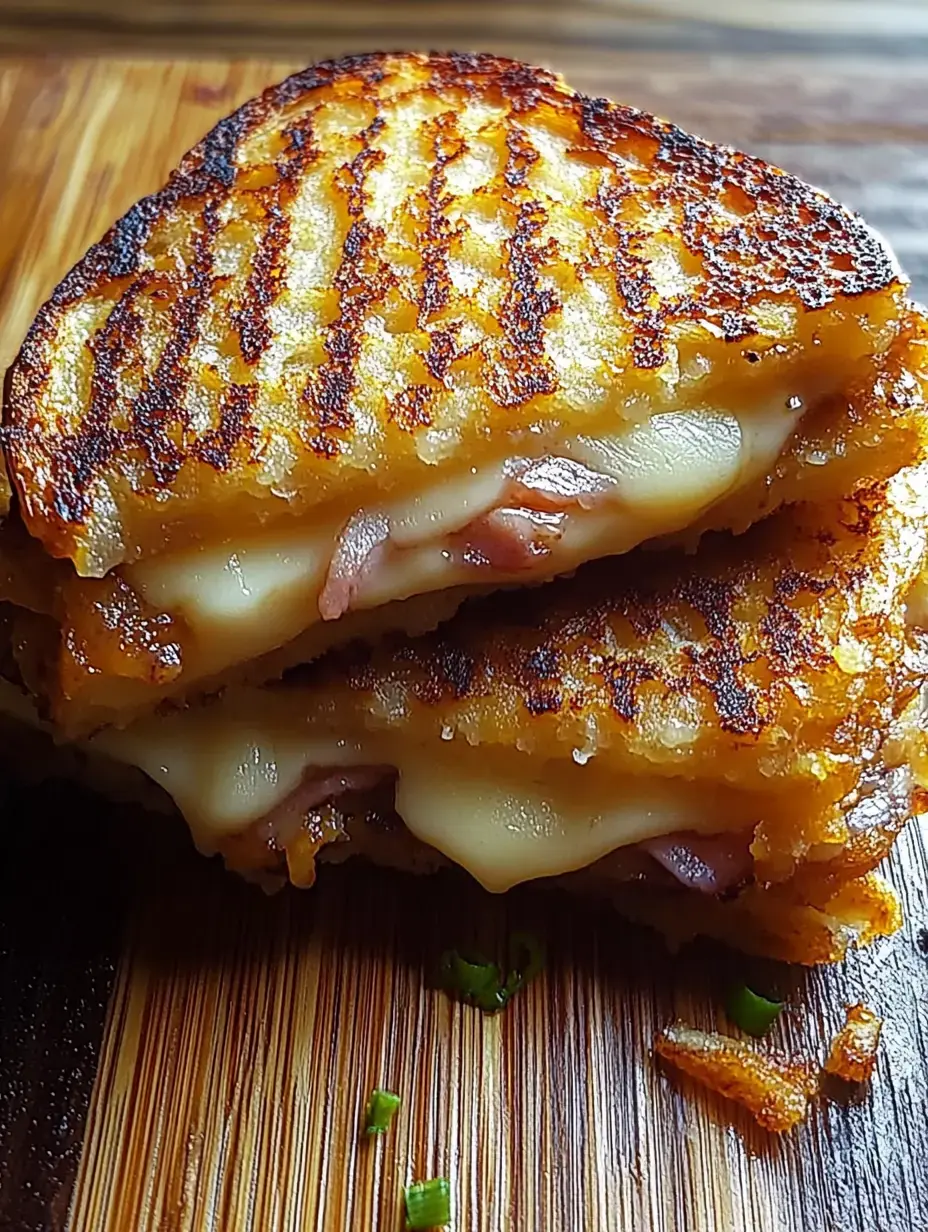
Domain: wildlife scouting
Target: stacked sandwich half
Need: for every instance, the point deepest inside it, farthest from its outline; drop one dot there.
(448, 467)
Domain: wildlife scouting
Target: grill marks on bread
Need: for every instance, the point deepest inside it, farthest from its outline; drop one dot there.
(135, 373)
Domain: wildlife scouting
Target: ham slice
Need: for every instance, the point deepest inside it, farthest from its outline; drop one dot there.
(712, 863)
(525, 518)
(360, 545)
(555, 484)
(510, 539)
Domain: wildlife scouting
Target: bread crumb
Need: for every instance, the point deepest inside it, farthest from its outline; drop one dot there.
(853, 1050)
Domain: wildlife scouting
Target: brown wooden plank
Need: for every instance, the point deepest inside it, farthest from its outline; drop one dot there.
(279, 27)
(244, 1033)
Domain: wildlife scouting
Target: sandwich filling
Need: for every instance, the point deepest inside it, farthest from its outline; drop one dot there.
(526, 518)
(254, 764)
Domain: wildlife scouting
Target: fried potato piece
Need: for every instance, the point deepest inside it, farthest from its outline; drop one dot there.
(776, 1092)
(386, 264)
(853, 1051)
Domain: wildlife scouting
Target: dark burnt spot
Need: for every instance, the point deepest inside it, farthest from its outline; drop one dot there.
(264, 285)
(521, 156)
(128, 238)
(367, 68)
(409, 410)
(323, 446)
(153, 413)
(269, 267)
(159, 407)
(788, 639)
(536, 671)
(543, 701)
(218, 160)
(632, 277)
(217, 446)
(719, 667)
(736, 326)
(520, 85)
(542, 664)
(522, 370)
(206, 171)
(528, 304)
(457, 669)
(362, 280)
(862, 509)
(719, 663)
(442, 351)
(439, 232)
(445, 667)
(84, 454)
(643, 617)
(624, 678)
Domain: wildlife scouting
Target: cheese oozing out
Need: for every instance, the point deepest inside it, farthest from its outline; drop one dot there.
(248, 596)
(505, 816)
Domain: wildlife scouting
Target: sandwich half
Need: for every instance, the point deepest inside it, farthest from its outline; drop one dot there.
(408, 328)
(727, 742)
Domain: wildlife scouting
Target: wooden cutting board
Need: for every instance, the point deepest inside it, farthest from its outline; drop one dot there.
(180, 1053)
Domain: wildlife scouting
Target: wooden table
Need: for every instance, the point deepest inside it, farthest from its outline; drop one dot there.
(180, 1053)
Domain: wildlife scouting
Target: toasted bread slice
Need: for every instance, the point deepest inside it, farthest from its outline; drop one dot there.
(377, 269)
(411, 324)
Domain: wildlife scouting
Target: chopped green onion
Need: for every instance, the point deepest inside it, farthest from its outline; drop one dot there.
(428, 1204)
(380, 1111)
(480, 981)
(474, 979)
(751, 1012)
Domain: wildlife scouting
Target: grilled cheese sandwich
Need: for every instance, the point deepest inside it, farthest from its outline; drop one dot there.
(408, 330)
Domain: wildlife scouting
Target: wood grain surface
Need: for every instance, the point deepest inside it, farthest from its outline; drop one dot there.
(242, 1034)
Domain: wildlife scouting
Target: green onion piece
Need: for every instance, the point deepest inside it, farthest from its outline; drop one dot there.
(750, 1012)
(381, 1109)
(428, 1204)
(474, 980)
(479, 981)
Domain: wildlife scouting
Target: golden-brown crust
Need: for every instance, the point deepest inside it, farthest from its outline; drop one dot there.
(159, 294)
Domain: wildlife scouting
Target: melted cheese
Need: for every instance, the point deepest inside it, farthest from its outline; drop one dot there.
(506, 817)
(245, 598)
(917, 605)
